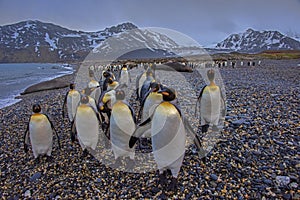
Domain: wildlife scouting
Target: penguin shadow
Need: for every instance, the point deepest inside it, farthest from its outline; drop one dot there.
(123, 164)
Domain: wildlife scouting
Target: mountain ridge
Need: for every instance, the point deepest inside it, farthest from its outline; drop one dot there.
(253, 41)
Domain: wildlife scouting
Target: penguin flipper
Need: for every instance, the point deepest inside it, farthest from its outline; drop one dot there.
(64, 105)
(192, 133)
(25, 141)
(52, 126)
(73, 130)
(198, 98)
(139, 131)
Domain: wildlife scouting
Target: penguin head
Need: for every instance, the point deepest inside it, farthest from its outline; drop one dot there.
(211, 74)
(120, 94)
(146, 67)
(84, 99)
(110, 81)
(169, 94)
(72, 86)
(36, 108)
(106, 74)
(154, 86)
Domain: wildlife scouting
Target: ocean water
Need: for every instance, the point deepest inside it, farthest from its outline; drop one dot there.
(16, 77)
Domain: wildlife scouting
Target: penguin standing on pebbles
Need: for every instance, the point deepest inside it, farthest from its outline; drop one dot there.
(168, 137)
(124, 77)
(40, 130)
(72, 100)
(86, 124)
(212, 104)
(122, 126)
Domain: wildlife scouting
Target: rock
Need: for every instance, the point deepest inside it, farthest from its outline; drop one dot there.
(214, 177)
(237, 123)
(268, 181)
(282, 180)
(287, 196)
(35, 176)
(27, 193)
(294, 185)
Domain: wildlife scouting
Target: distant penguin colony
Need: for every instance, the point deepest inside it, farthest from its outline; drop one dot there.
(102, 105)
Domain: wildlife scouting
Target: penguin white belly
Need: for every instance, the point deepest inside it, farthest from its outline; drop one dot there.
(41, 135)
(124, 79)
(149, 107)
(93, 84)
(168, 139)
(92, 103)
(210, 106)
(96, 93)
(122, 127)
(87, 127)
(73, 100)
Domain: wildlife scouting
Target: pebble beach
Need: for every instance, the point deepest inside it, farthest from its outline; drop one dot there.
(257, 155)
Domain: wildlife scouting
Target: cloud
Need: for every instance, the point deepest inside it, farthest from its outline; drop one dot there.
(205, 21)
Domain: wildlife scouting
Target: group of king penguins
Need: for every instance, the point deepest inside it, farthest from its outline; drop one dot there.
(102, 104)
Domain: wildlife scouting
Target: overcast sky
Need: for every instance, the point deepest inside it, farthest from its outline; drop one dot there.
(206, 21)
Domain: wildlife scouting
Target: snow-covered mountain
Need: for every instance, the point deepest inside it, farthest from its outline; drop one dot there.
(38, 41)
(35, 41)
(257, 41)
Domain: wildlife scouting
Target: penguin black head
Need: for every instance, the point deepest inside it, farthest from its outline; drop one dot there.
(106, 74)
(169, 94)
(211, 74)
(120, 94)
(36, 108)
(84, 99)
(154, 86)
(124, 66)
(72, 86)
(110, 80)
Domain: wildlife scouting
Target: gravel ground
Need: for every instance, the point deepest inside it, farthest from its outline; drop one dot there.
(256, 156)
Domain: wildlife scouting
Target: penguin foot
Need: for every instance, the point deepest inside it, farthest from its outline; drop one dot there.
(215, 128)
(163, 178)
(204, 128)
(173, 185)
(37, 160)
(130, 163)
(85, 153)
(203, 160)
(49, 158)
(117, 163)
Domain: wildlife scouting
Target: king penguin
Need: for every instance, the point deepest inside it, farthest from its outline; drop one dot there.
(72, 100)
(124, 76)
(151, 100)
(122, 126)
(212, 104)
(146, 85)
(86, 124)
(168, 137)
(40, 130)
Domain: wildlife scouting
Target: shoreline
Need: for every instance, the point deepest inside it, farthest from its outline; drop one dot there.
(60, 82)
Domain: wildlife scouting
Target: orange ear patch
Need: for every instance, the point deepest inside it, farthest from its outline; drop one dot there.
(166, 93)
